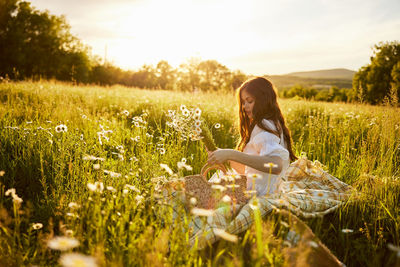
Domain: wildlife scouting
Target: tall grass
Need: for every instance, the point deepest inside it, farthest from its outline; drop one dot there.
(359, 144)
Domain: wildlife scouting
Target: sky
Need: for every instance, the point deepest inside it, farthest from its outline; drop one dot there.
(257, 37)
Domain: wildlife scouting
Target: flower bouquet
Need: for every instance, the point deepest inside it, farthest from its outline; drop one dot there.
(228, 187)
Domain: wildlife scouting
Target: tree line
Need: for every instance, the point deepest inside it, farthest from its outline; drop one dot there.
(37, 45)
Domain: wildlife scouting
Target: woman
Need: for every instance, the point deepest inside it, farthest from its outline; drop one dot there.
(265, 146)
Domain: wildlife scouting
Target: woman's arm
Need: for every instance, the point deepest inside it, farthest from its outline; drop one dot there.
(254, 161)
(237, 166)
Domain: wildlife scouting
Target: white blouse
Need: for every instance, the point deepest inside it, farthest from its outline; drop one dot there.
(263, 143)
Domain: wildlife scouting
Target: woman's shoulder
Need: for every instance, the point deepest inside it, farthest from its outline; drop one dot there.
(259, 134)
(269, 124)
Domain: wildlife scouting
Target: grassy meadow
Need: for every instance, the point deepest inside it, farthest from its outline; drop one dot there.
(126, 129)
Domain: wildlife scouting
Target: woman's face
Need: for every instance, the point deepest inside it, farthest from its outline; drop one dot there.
(247, 103)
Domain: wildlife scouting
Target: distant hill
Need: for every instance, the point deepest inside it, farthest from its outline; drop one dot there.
(325, 74)
(319, 79)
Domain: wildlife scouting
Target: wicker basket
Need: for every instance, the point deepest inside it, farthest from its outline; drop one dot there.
(198, 187)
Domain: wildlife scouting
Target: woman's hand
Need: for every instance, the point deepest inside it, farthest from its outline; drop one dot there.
(219, 156)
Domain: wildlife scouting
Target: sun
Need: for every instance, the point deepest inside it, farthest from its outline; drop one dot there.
(173, 31)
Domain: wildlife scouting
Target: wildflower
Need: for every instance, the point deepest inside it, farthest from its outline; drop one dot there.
(63, 243)
(218, 187)
(37, 226)
(10, 191)
(92, 158)
(227, 199)
(84, 116)
(2, 173)
(96, 187)
(217, 126)
(347, 231)
(132, 187)
(136, 139)
(202, 212)
(112, 174)
(270, 165)
(193, 201)
(197, 130)
(81, 137)
(183, 160)
(183, 107)
(182, 165)
(77, 259)
(236, 176)
(254, 176)
(232, 185)
(17, 199)
(73, 205)
(186, 113)
(96, 166)
(139, 199)
(162, 151)
(166, 168)
(216, 180)
(228, 178)
(110, 188)
(125, 112)
(61, 128)
(224, 235)
(197, 123)
(253, 203)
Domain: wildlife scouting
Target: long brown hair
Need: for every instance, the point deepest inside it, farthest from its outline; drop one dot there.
(265, 107)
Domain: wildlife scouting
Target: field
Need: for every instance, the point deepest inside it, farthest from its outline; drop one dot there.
(122, 225)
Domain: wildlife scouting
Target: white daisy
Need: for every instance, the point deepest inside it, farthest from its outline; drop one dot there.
(270, 165)
(193, 201)
(73, 205)
(62, 243)
(347, 231)
(227, 199)
(96, 166)
(92, 158)
(166, 168)
(62, 128)
(96, 187)
(37, 226)
(77, 259)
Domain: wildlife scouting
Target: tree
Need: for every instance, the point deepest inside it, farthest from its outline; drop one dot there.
(166, 75)
(37, 44)
(373, 82)
(213, 75)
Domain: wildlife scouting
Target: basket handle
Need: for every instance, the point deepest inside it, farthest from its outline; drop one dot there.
(208, 167)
